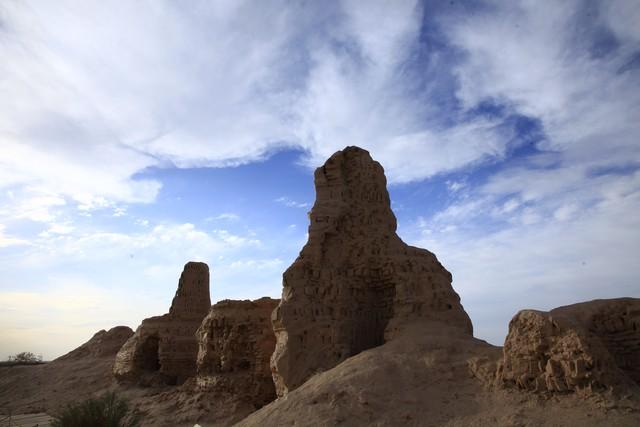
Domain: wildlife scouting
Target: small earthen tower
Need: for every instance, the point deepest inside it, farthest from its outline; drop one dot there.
(165, 347)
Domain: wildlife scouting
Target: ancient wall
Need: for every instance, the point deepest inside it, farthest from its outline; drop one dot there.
(236, 341)
(581, 347)
(164, 348)
(355, 282)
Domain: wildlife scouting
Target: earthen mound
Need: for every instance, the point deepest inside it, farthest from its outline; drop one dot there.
(102, 344)
(82, 372)
(236, 342)
(355, 283)
(164, 348)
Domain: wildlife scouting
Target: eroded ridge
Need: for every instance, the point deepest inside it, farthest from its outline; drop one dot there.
(355, 282)
(164, 348)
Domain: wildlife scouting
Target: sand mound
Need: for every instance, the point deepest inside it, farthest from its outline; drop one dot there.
(102, 344)
(72, 377)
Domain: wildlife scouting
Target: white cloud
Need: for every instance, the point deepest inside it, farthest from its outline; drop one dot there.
(226, 216)
(87, 105)
(540, 61)
(235, 240)
(292, 203)
(119, 211)
(622, 16)
(34, 205)
(560, 260)
(6, 241)
(297, 84)
(259, 264)
(57, 228)
(454, 186)
(171, 244)
(554, 227)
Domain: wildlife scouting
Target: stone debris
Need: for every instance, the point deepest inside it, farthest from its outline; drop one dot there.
(236, 341)
(164, 348)
(355, 283)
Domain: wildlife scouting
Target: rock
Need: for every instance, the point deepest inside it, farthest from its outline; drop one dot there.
(578, 348)
(236, 341)
(165, 347)
(355, 283)
(102, 344)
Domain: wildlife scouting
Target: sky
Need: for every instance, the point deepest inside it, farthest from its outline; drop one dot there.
(138, 135)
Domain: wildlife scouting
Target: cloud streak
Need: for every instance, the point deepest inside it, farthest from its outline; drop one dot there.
(157, 85)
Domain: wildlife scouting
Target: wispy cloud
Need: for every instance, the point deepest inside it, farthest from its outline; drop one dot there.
(292, 203)
(6, 240)
(226, 216)
(64, 118)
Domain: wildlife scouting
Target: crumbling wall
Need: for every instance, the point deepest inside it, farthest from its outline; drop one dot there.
(355, 282)
(236, 341)
(164, 348)
(577, 348)
(618, 326)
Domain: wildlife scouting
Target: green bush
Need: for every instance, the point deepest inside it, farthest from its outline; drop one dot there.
(106, 411)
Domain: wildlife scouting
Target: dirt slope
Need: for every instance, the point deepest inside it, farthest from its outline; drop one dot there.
(422, 378)
(76, 375)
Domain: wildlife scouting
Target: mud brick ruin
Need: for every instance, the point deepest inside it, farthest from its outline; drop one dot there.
(165, 347)
(355, 283)
(236, 342)
(581, 347)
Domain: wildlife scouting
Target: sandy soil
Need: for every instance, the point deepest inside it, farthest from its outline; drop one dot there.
(423, 379)
(51, 386)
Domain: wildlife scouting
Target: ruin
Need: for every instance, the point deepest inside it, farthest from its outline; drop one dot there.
(355, 283)
(584, 348)
(236, 341)
(164, 348)
(581, 347)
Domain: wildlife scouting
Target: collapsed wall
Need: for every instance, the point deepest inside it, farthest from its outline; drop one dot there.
(582, 347)
(355, 282)
(164, 347)
(236, 341)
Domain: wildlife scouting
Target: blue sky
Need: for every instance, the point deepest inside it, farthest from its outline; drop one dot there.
(138, 136)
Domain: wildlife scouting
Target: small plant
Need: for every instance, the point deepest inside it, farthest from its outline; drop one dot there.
(106, 411)
(25, 357)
